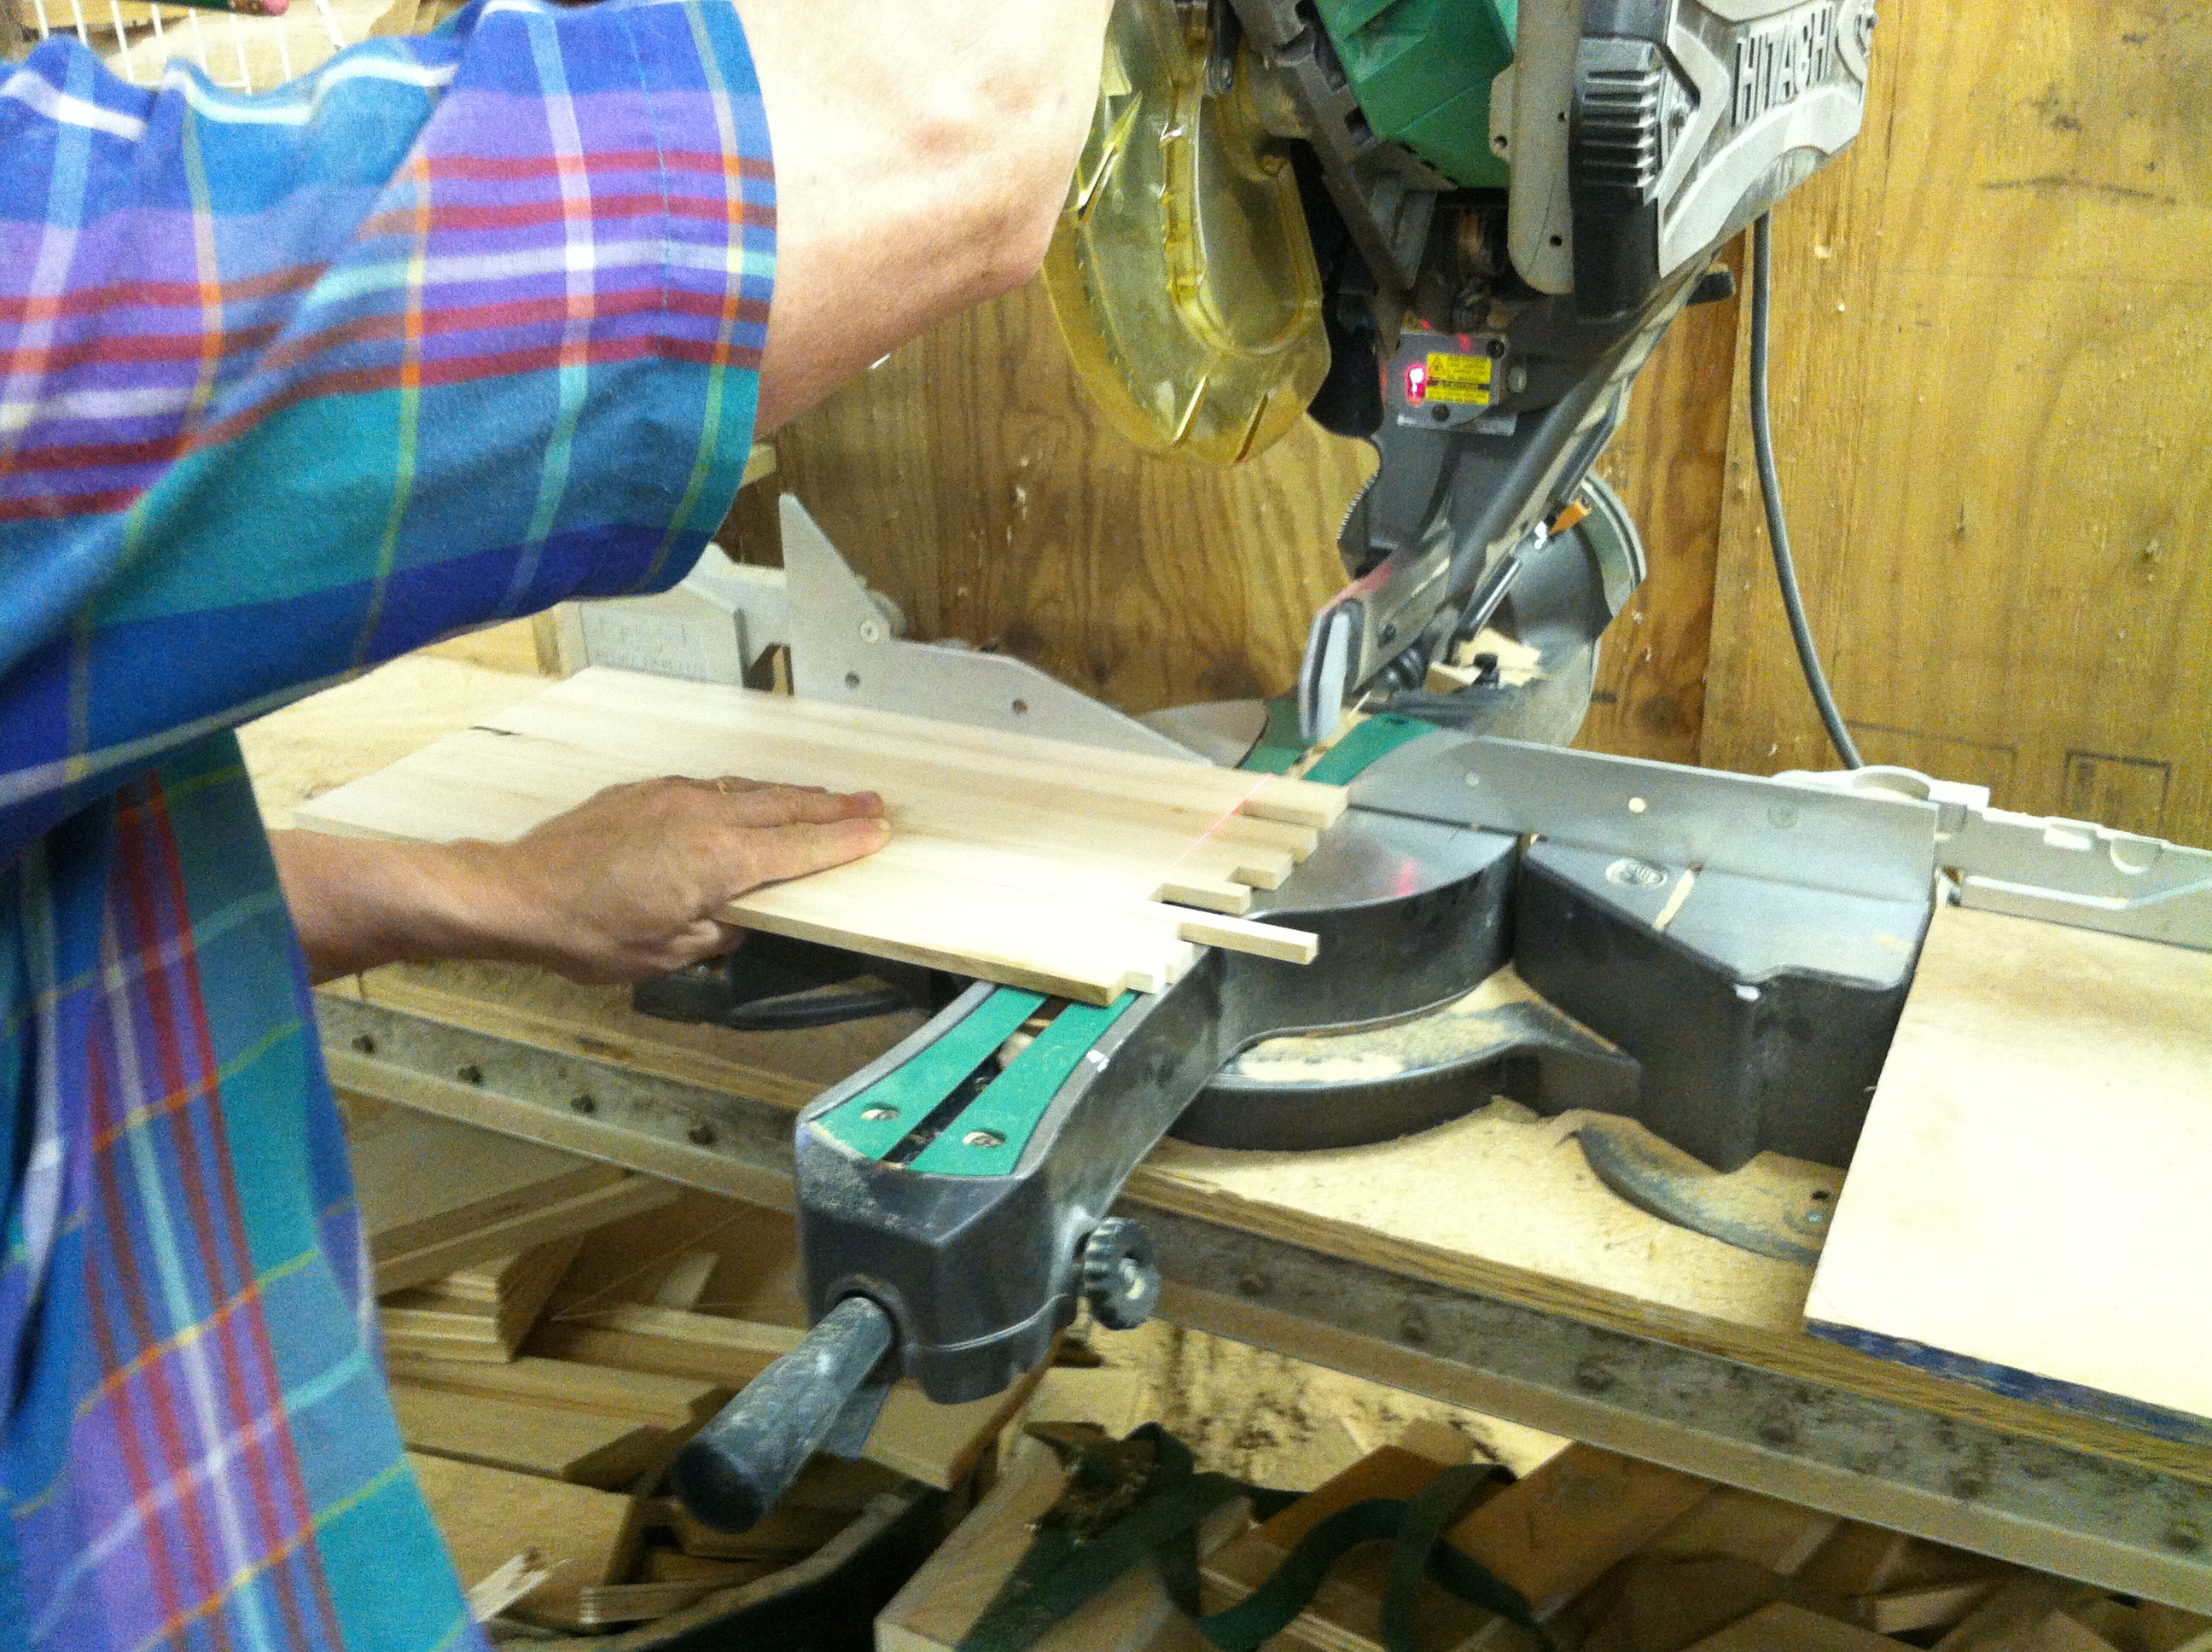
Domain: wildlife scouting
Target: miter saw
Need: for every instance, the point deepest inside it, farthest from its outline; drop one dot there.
(1456, 232)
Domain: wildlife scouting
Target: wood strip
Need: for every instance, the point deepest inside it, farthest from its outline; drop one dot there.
(565, 1385)
(422, 1181)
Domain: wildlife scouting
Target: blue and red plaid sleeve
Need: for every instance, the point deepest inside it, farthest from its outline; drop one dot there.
(453, 328)
(289, 384)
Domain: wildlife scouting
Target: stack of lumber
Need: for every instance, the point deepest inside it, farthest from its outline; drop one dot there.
(483, 1312)
(1613, 1555)
(558, 1453)
(1061, 868)
(439, 1198)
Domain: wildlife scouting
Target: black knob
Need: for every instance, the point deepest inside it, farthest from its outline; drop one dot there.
(1120, 1273)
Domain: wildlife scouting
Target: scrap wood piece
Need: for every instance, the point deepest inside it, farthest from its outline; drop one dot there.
(1922, 1606)
(2019, 1617)
(607, 1452)
(598, 1390)
(1347, 1610)
(1036, 863)
(626, 1194)
(423, 1180)
(1550, 1536)
(523, 1574)
(1780, 1536)
(1783, 1627)
(488, 1515)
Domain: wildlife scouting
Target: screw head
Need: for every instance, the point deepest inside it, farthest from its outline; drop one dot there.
(872, 630)
(879, 1113)
(984, 1139)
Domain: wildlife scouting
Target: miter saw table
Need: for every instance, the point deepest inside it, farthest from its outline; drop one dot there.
(1559, 1305)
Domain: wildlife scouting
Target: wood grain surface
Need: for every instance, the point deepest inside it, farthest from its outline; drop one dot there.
(1061, 868)
(1990, 362)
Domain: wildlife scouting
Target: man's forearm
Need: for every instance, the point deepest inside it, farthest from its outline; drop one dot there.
(358, 903)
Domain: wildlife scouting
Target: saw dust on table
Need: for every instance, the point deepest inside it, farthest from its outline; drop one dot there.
(1037, 863)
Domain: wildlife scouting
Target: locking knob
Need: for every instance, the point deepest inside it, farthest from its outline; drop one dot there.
(1120, 1273)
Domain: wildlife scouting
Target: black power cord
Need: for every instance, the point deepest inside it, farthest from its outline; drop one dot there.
(1769, 490)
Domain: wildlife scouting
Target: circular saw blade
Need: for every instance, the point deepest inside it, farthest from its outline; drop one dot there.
(1181, 272)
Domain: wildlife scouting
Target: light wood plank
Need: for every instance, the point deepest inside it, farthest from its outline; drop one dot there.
(1033, 862)
(422, 1181)
(561, 1384)
(626, 1195)
(941, 1603)
(555, 1441)
(2026, 1206)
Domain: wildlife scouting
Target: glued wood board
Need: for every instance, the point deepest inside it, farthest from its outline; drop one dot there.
(1040, 864)
(2026, 1211)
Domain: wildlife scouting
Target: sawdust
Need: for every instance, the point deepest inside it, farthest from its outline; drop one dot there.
(1276, 1421)
(1434, 1039)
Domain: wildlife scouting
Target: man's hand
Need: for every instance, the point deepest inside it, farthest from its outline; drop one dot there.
(630, 884)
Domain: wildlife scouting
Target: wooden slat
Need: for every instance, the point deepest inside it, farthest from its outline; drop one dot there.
(1032, 862)
(422, 1181)
(2026, 1206)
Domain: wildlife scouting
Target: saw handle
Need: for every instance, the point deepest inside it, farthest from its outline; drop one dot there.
(734, 1470)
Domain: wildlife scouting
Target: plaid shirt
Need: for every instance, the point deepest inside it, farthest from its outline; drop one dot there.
(453, 328)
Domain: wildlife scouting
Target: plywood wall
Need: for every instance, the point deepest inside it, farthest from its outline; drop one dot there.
(1993, 397)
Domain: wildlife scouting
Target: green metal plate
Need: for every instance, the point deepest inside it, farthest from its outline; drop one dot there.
(1009, 1108)
(1422, 69)
(1371, 739)
(906, 1096)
